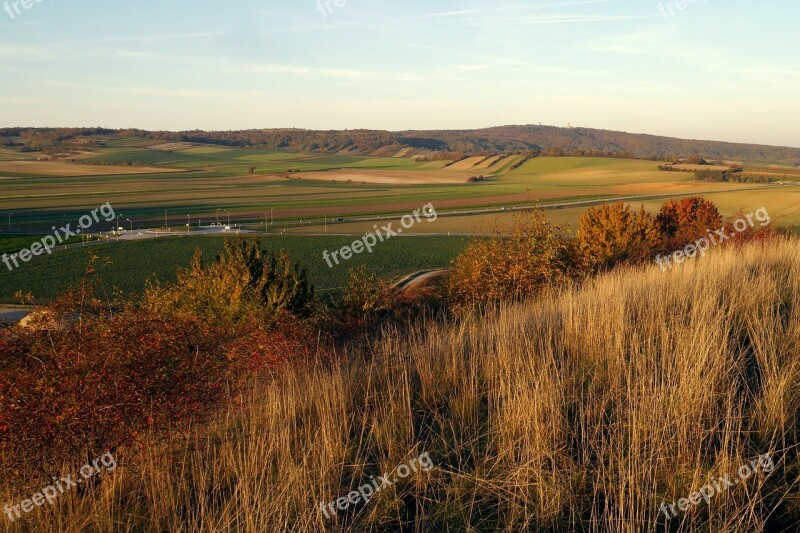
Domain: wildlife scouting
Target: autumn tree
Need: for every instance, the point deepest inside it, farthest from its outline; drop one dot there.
(512, 263)
(684, 221)
(613, 233)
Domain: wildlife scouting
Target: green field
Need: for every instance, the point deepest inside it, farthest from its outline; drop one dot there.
(218, 183)
(135, 262)
(14, 243)
(218, 178)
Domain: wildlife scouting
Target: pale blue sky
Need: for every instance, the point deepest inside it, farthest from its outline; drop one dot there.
(718, 69)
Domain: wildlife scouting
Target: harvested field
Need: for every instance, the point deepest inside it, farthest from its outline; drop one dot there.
(75, 155)
(405, 152)
(465, 164)
(488, 163)
(63, 169)
(391, 177)
(700, 167)
(689, 187)
(11, 155)
(172, 147)
(207, 150)
(506, 161)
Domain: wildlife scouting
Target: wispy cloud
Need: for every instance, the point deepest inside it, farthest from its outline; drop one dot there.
(138, 90)
(445, 14)
(510, 9)
(153, 38)
(565, 18)
(26, 51)
(404, 75)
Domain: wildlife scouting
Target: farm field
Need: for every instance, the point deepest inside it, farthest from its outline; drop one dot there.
(133, 263)
(218, 183)
(388, 177)
(11, 155)
(245, 184)
(783, 204)
(65, 169)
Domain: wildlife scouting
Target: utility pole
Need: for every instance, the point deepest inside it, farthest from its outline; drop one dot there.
(166, 221)
(218, 216)
(188, 224)
(9, 222)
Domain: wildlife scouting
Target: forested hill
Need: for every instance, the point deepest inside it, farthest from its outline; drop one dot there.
(543, 138)
(530, 138)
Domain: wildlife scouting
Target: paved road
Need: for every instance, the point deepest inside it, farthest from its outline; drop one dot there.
(139, 235)
(418, 277)
(12, 314)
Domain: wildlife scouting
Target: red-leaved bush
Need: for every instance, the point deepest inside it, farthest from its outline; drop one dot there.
(86, 378)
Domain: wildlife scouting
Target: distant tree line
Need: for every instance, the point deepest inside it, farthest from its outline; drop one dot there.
(733, 175)
(545, 140)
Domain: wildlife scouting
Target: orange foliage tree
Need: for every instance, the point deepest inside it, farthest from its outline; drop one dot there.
(684, 221)
(514, 262)
(613, 234)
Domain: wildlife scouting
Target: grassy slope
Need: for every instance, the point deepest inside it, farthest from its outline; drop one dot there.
(134, 262)
(584, 411)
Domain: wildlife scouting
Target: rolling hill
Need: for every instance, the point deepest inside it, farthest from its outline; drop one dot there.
(503, 139)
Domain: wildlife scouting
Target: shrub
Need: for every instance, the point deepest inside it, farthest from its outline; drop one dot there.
(513, 263)
(97, 379)
(88, 378)
(684, 221)
(245, 281)
(613, 234)
(768, 234)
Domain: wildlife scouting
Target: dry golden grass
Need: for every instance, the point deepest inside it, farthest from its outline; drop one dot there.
(582, 411)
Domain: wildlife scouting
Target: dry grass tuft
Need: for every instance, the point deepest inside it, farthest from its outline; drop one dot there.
(582, 411)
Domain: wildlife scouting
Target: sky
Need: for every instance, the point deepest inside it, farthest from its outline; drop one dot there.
(704, 69)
